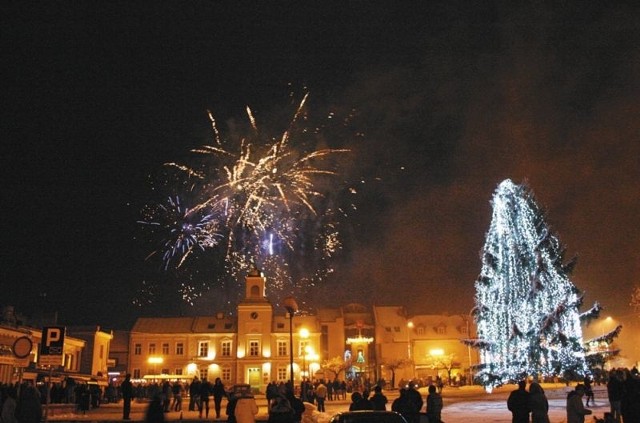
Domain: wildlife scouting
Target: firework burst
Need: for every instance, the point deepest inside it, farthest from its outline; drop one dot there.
(262, 200)
(185, 229)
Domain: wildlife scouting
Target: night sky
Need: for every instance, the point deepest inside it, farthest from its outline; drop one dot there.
(449, 98)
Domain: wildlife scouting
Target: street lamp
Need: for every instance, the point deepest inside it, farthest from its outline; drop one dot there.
(410, 326)
(304, 336)
(291, 306)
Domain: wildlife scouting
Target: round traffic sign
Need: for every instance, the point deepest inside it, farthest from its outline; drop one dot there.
(22, 347)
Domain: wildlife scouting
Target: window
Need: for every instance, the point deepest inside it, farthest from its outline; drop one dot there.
(179, 348)
(225, 348)
(387, 328)
(303, 347)
(463, 330)
(283, 351)
(204, 373)
(137, 350)
(282, 373)
(226, 373)
(136, 373)
(396, 328)
(164, 372)
(420, 330)
(152, 348)
(203, 349)
(441, 330)
(254, 348)
(165, 349)
(178, 372)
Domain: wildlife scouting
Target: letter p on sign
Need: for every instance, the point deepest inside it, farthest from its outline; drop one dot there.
(53, 336)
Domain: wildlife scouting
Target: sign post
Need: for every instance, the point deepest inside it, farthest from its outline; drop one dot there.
(51, 354)
(22, 350)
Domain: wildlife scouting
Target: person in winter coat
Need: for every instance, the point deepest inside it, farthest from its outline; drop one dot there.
(155, 410)
(615, 389)
(205, 391)
(281, 411)
(310, 414)
(296, 403)
(218, 392)
(246, 409)
(575, 408)
(434, 405)
(518, 404)
(538, 404)
(405, 406)
(630, 404)
(29, 408)
(358, 402)
(9, 406)
(321, 395)
(379, 400)
(126, 389)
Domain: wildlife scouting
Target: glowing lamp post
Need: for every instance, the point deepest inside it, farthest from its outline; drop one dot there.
(304, 334)
(409, 328)
(291, 306)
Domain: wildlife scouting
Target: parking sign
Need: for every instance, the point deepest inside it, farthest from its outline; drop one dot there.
(52, 346)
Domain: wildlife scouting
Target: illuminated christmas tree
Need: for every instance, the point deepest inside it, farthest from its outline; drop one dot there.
(527, 309)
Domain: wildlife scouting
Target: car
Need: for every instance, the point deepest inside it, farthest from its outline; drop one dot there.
(368, 416)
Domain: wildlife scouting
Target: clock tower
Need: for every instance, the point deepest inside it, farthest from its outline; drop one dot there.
(255, 324)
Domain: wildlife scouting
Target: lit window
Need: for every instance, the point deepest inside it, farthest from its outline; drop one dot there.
(225, 348)
(203, 349)
(254, 348)
(283, 351)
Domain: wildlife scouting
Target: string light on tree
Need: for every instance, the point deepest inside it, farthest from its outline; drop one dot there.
(527, 309)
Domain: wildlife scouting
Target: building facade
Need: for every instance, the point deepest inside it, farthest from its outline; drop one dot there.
(261, 344)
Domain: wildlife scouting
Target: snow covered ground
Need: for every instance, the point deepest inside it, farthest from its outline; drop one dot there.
(461, 405)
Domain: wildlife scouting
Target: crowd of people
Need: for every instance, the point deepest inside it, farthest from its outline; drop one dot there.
(20, 404)
(623, 392)
(81, 394)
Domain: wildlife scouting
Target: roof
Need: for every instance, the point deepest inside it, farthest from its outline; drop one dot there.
(200, 324)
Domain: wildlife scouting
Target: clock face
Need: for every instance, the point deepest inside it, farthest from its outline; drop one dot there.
(254, 315)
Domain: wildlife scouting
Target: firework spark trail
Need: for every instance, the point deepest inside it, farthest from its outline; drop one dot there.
(187, 229)
(257, 190)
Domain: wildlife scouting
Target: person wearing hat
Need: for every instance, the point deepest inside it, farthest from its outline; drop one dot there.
(575, 408)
